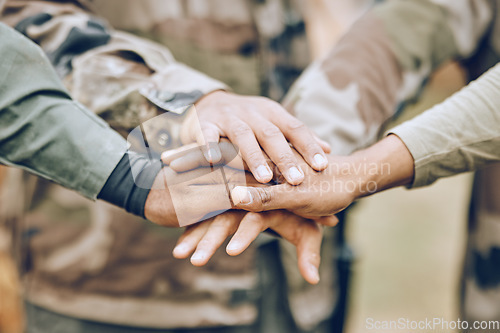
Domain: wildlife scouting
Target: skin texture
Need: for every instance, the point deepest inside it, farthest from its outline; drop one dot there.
(194, 182)
(385, 165)
(203, 239)
(206, 237)
(257, 125)
(193, 195)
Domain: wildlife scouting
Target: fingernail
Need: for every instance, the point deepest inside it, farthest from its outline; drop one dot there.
(320, 161)
(233, 246)
(263, 172)
(198, 256)
(295, 174)
(313, 270)
(181, 248)
(167, 154)
(241, 195)
(213, 155)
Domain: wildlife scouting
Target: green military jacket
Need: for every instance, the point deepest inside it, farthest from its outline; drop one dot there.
(43, 130)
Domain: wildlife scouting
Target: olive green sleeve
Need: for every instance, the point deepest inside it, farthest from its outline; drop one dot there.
(44, 131)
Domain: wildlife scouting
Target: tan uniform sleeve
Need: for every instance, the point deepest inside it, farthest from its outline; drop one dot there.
(461, 134)
(381, 65)
(113, 73)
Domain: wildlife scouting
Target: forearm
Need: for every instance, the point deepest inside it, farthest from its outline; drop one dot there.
(459, 135)
(385, 165)
(45, 132)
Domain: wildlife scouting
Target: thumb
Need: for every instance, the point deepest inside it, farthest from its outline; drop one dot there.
(257, 199)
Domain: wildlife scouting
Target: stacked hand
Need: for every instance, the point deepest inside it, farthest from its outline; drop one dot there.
(206, 237)
(308, 185)
(250, 123)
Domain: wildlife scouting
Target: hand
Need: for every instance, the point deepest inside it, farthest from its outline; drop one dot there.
(386, 164)
(179, 199)
(314, 197)
(206, 237)
(252, 122)
(321, 194)
(187, 158)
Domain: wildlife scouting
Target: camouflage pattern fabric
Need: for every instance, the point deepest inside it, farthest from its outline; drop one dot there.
(381, 66)
(93, 261)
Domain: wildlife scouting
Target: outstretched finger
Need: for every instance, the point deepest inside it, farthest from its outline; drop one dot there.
(186, 244)
(309, 252)
(221, 227)
(250, 227)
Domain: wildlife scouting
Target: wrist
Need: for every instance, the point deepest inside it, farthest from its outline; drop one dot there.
(129, 184)
(388, 163)
(159, 206)
(213, 94)
(349, 176)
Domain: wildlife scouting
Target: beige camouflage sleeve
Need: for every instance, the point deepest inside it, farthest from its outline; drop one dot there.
(123, 78)
(461, 134)
(381, 64)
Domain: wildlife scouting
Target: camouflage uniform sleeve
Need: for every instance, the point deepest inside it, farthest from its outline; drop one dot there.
(123, 78)
(442, 148)
(381, 64)
(45, 132)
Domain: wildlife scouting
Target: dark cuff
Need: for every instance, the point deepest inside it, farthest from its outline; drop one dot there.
(129, 184)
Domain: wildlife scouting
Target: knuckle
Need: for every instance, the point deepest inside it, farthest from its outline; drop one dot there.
(265, 196)
(222, 224)
(256, 219)
(207, 126)
(227, 110)
(286, 158)
(205, 243)
(273, 106)
(277, 108)
(241, 130)
(271, 131)
(253, 156)
(312, 147)
(296, 125)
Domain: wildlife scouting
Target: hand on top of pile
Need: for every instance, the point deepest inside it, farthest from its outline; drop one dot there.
(251, 123)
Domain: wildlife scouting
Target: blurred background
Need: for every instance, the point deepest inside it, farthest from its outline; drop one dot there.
(408, 244)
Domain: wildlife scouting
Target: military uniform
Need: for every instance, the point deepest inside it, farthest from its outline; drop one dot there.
(97, 264)
(379, 67)
(31, 99)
